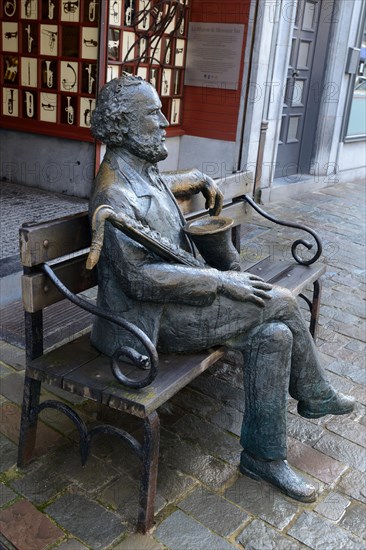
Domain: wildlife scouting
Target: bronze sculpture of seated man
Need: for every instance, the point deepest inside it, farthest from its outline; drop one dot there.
(187, 308)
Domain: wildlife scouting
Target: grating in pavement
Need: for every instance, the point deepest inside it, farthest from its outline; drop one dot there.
(61, 321)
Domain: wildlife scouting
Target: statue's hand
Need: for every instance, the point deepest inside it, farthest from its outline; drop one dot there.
(244, 287)
(213, 195)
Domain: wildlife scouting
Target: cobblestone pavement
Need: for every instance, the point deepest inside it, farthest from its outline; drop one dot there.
(203, 502)
(19, 204)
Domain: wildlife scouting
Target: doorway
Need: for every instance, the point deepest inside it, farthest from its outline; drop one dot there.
(304, 87)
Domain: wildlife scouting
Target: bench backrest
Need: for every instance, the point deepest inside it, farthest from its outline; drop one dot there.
(64, 242)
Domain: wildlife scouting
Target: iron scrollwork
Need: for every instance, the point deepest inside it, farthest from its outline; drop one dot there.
(296, 243)
(151, 22)
(147, 362)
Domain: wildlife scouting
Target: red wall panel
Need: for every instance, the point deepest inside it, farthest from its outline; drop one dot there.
(213, 112)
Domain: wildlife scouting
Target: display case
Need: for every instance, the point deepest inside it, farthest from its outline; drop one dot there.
(148, 38)
(48, 67)
(52, 64)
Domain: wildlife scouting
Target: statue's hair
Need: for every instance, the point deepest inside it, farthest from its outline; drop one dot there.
(113, 102)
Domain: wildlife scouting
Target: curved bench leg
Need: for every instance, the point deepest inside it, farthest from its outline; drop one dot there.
(315, 308)
(150, 459)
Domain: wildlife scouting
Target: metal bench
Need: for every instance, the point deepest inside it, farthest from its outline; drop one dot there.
(56, 251)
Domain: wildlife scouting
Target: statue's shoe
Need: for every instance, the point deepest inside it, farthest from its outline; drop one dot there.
(336, 404)
(279, 474)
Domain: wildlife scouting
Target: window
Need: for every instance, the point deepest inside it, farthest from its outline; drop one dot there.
(356, 128)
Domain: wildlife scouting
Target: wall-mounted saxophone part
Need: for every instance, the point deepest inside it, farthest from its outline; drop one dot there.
(30, 38)
(91, 79)
(92, 10)
(70, 111)
(51, 9)
(29, 104)
(49, 74)
(87, 113)
(69, 84)
(52, 38)
(11, 102)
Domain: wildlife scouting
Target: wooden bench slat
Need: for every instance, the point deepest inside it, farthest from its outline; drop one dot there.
(88, 373)
(42, 242)
(232, 186)
(52, 367)
(46, 241)
(290, 275)
(39, 292)
(240, 212)
(175, 372)
(297, 278)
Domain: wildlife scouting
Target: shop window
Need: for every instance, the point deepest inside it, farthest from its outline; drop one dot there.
(356, 128)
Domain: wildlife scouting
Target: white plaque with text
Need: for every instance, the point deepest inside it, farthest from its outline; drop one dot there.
(213, 55)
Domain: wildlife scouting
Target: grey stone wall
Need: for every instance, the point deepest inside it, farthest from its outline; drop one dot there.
(50, 163)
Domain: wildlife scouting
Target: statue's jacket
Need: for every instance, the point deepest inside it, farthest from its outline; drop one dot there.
(159, 297)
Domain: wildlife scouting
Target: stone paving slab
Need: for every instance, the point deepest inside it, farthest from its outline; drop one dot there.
(40, 485)
(260, 536)
(354, 520)
(6, 494)
(313, 462)
(319, 534)
(8, 453)
(213, 511)
(87, 520)
(333, 507)
(262, 500)
(27, 528)
(71, 544)
(203, 501)
(181, 532)
(342, 450)
(138, 542)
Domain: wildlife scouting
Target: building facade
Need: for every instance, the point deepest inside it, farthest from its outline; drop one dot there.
(273, 87)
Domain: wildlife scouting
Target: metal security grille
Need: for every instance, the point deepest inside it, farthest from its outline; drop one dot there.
(148, 38)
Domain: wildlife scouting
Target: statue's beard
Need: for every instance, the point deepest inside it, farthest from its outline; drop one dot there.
(152, 151)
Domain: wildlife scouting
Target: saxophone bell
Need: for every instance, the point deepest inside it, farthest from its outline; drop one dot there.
(71, 7)
(10, 7)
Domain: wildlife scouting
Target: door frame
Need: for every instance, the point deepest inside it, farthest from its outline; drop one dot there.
(317, 90)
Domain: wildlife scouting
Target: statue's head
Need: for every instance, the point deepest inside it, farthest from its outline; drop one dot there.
(128, 115)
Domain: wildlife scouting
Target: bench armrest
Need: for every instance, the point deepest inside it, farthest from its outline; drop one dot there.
(295, 244)
(149, 362)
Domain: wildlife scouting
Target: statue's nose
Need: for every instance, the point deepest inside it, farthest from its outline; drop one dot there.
(163, 121)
